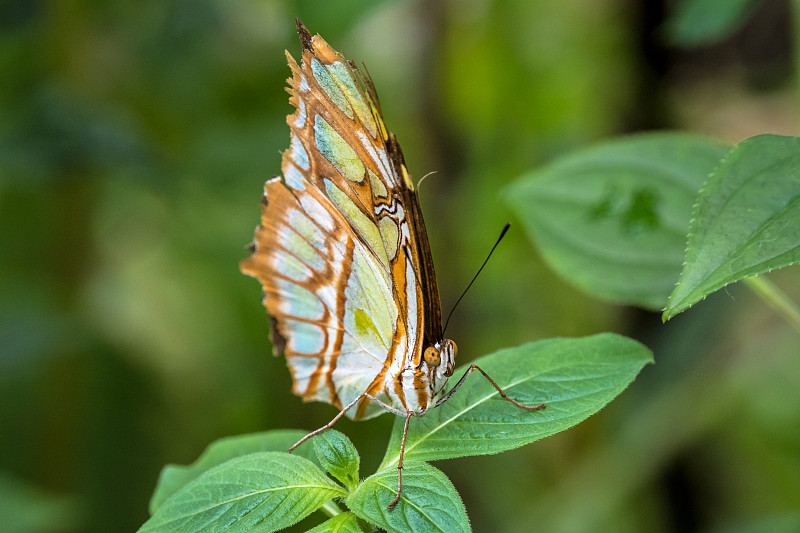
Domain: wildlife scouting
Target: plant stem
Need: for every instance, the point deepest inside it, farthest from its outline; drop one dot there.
(776, 299)
(331, 509)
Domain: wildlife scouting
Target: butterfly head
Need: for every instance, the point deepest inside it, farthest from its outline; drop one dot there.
(440, 359)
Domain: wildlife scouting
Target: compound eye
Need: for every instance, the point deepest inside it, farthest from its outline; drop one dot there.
(455, 349)
(432, 356)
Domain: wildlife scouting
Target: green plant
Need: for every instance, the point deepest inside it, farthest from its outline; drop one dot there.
(624, 213)
(250, 483)
(622, 219)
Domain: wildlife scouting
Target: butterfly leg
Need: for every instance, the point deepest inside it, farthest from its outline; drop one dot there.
(329, 425)
(336, 418)
(400, 462)
(386, 406)
(495, 385)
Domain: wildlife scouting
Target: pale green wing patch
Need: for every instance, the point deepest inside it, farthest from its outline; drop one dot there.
(330, 87)
(362, 224)
(338, 151)
(337, 82)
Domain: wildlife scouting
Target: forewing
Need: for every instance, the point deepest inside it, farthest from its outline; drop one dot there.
(338, 121)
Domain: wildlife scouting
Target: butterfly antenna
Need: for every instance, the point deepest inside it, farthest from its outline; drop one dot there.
(423, 179)
(500, 238)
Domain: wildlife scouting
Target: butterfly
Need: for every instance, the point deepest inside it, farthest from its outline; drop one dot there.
(343, 256)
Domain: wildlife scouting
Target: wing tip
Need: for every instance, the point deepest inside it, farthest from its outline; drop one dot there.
(305, 35)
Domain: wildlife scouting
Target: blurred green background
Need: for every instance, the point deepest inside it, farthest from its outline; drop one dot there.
(135, 138)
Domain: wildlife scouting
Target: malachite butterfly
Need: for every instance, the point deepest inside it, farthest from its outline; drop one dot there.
(343, 255)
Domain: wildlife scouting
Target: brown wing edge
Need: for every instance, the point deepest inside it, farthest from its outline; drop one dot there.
(305, 35)
(276, 338)
(432, 313)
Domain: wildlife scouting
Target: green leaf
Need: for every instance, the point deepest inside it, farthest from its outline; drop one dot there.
(429, 502)
(173, 477)
(262, 492)
(613, 219)
(338, 456)
(746, 221)
(575, 378)
(703, 22)
(341, 523)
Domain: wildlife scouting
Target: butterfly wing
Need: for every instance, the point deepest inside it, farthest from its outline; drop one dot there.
(342, 251)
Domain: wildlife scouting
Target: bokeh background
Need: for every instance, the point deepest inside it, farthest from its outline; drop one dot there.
(134, 141)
